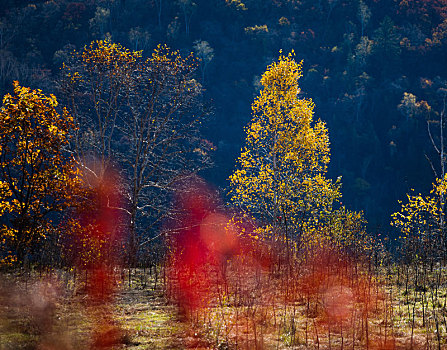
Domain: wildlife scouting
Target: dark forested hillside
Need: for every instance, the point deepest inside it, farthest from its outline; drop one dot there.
(376, 70)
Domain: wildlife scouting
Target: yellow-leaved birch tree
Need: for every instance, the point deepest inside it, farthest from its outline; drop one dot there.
(280, 177)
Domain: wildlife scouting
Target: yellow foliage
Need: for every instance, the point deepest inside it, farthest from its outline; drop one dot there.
(281, 170)
(422, 218)
(255, 30)
(102, 54)
(36, 178)
(238, 4)
(87, 245)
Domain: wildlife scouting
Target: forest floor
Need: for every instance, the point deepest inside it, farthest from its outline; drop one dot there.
(51, 311)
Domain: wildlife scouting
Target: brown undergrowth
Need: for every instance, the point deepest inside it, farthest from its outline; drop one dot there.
(50, 310)
(324, 303)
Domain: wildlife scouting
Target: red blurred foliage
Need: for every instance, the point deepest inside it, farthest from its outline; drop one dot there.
(206, 240)
(216, 255)
(105, 218)
(99, 238)
(346, 290)
(191, 254)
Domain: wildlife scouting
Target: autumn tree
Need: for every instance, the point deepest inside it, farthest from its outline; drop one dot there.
(138, 117)
(281, 171)
(421, 222)
(422, 219)
(37, 177)
(94, 83)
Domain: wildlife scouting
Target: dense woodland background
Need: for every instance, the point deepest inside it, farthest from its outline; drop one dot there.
(359, 58)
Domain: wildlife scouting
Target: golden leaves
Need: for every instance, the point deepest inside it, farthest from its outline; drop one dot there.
(281, 170)
(422, 216)
(36, 176)
(102, 53)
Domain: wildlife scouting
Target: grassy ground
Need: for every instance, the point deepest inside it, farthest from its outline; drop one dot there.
(51, 311)
(348, 307)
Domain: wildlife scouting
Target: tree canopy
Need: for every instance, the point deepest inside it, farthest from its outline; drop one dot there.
(37, 177)
(281, 171)
(140, 118)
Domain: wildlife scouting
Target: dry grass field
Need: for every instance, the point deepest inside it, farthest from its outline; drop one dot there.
(51, 310)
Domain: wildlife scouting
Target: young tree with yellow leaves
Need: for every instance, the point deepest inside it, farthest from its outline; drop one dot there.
(281, 171)
(37, 178)
(422, 220)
